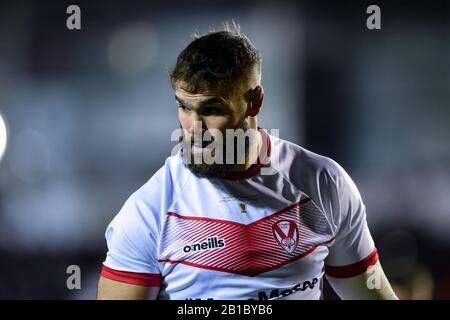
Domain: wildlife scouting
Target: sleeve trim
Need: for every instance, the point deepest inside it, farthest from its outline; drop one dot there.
(354, 269)
(140, 279)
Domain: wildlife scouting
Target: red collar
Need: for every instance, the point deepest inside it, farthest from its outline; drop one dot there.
(254, 168)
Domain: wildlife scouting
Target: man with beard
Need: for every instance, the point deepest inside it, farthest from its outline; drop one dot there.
(238, 213)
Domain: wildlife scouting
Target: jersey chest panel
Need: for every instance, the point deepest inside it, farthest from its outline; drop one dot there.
(242, 232)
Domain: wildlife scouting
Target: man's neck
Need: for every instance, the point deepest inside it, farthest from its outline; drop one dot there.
(253, 153)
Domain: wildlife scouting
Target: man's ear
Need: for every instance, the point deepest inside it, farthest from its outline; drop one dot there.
(256, 101)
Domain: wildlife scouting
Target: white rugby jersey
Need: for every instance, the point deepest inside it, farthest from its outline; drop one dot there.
(248, 235)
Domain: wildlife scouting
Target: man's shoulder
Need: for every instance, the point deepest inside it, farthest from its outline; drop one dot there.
(296, 160)
(321, 178)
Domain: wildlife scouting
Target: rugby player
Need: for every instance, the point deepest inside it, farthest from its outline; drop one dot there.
(268, 227)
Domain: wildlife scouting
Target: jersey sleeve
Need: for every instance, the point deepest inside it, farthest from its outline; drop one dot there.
(132, 237)
(132, 248)
(353, 250)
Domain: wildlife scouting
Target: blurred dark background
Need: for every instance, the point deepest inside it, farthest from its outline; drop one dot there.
(89, 115)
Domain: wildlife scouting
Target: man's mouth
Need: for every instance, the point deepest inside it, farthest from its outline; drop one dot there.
(201, 144)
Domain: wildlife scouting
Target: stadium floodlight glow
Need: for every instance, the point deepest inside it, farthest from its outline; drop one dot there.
(3, 136)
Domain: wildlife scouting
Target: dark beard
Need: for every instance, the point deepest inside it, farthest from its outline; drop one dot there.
(216, 170)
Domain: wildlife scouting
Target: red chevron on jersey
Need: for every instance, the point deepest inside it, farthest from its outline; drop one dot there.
(246, 249)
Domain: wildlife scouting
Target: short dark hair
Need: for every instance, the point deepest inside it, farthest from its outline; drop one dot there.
(217, 60)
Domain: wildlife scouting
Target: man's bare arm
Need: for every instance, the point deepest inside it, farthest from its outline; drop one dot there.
(371, 285)
(114, 290)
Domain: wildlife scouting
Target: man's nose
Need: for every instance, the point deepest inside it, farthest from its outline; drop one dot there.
(197, 125)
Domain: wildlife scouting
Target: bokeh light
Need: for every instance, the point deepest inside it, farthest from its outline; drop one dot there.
(3, 136)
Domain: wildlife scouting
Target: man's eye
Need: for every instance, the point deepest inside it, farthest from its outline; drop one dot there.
(211, 110)
(184, 108)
